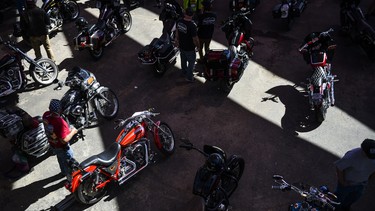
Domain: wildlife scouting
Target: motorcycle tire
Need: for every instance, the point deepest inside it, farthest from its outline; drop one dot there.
(227, 85)
(232, 176)
(127, 21)
(217, 201)
(320, 113)
(86, 192)
(167, 139)
(44, 76)
(160, 69)
(97, 53)
(72, 10)
(107, 103)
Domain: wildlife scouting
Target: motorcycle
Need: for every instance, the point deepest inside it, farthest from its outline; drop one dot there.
(59, 11)
(127, 156)
(12, 76)
(26, 133)
(230, 64)
(218, 178)
(314, 198)
(161, 52)
(104, 32)
(238, 5)
(287, 10)
(86, 100)
(318, 50)
(354, 23)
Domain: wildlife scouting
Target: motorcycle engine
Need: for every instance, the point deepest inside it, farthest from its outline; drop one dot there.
(11, 76)
(137, 153)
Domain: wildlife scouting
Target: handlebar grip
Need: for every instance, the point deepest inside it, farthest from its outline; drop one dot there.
(276, 187)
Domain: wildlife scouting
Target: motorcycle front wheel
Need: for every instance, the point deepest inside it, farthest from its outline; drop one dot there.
(87, 193)
(233, 174)
(71, 10)
(107, 103)
(166, 138)
(45, 75)
(127, 21)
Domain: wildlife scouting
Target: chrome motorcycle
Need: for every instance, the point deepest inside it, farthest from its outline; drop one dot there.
(104, 32)
(318, 50)
(12, 76)
(59, 11)
(86, 100)
(287, 10)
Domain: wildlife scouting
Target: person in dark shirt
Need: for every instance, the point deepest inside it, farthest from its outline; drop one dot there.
(36, 22)
(187, 40)
(206, 24)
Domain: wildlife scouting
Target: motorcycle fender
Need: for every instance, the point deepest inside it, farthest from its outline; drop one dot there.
(97, 38)
(156, 135)
(77, 177)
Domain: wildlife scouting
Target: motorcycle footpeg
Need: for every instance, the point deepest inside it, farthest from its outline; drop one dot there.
(152, 157)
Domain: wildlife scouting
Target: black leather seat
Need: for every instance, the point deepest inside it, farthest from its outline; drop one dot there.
(105, 158)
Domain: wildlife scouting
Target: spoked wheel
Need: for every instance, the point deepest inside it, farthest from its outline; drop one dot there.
(127, 21)
(107, 103)
(320, 112)
(46, 74)
(233, 174)
(72, 8)
(87, 193)
(217, 201)
(166, 138)
(160, 69)
(97, 53)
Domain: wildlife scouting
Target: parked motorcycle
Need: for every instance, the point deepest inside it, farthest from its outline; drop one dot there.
(104, 32)
(287, 10)
(161, 52)
(25, 132)
(218, 178)
(59, 11)
(123, 159)
(228, 65)
(86, 100)
(238, 5)
(354, 23)
(314, 198)
(318, 50)
(12, 76)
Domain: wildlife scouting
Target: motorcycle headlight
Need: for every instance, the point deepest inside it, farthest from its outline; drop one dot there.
(78, 110)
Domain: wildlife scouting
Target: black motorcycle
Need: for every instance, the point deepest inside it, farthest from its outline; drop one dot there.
(354, 23)
(60, 11)
(86, 99)
(104, 32)
(287, 10)
(238, 5)
(218, 178)
(12, 76)
(161, 53)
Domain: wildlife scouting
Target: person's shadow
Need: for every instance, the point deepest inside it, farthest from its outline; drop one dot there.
(27, 195)
(297, 117)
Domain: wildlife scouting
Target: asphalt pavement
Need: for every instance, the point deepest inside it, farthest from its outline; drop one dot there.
(265, 118)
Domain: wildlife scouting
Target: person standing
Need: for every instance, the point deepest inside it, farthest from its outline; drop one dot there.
(59, 134)
(36, 22)
(206, 26)
(187, 40)
(353, 172)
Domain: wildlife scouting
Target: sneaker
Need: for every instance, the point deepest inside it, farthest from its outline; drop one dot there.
(190, 80)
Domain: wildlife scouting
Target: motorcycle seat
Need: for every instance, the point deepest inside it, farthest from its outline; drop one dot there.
(105, 158)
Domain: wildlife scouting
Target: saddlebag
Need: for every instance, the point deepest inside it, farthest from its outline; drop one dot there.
(10, 124)
(298, 8)
(276, 12)
(35, 142)
(216, 61)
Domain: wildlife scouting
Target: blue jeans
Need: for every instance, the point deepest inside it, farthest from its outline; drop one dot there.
(63, 155)
(347, 195)
(187, 63)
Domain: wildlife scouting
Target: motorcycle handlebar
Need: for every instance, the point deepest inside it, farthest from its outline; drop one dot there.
(315, 40)
(142, 114)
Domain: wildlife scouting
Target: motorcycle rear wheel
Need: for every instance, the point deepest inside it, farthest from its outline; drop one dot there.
(44, 76)
(167, 139)
(97, 53)
(73, 11)
(217, 201)
(320, 113)
(227, 85)
(160, 69)
(86, 192)
(127, 21)
(107, 103)
(231, 177)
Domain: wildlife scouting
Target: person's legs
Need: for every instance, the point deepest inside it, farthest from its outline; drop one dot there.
(190, 56)
(63, 155)
(201, 41)
(207, 45)
(35, 44)
(47, 46)
(183, 62)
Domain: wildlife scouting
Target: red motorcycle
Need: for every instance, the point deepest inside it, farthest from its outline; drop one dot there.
(230, 64)
(123, 159)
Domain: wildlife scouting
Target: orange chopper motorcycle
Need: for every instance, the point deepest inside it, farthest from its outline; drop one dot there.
(123, 159)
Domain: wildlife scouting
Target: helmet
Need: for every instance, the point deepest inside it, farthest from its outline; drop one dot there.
(368, 146)
(55, 106)
(81, 22)
(214, 162)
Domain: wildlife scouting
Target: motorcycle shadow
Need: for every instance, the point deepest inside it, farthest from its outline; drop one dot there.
(297, 117)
